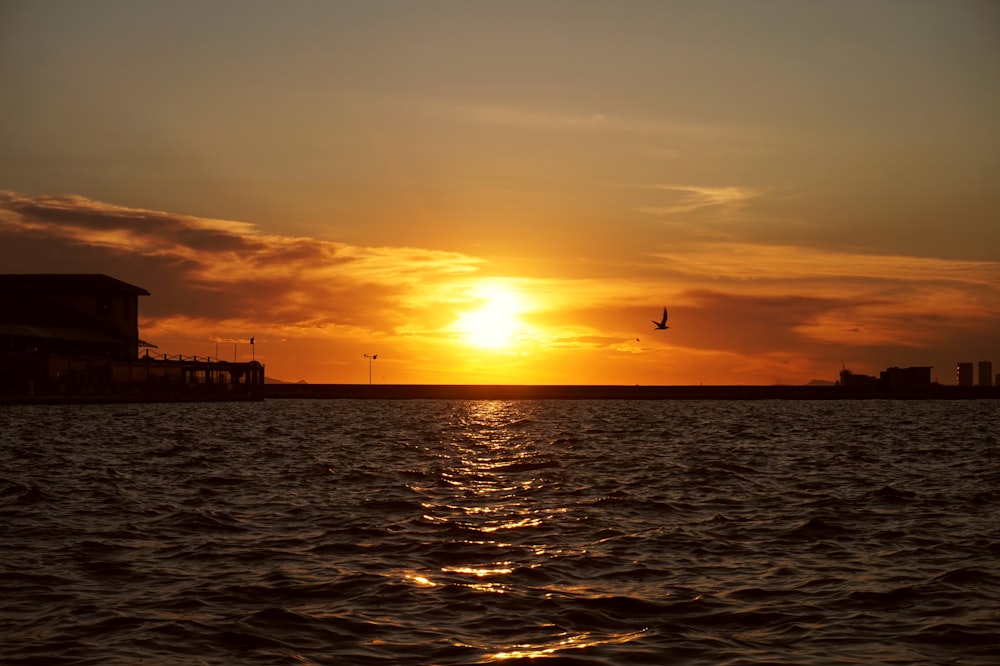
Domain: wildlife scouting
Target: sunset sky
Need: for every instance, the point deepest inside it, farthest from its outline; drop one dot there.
(509, 192)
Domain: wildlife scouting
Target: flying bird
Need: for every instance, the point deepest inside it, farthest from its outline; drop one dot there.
(662, 324)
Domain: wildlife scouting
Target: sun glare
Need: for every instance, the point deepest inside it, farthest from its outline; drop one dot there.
(496, 324)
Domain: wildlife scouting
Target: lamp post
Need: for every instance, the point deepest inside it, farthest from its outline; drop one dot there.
(370, 358)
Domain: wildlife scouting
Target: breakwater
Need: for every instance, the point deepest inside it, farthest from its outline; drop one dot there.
(508, 392)
(607, 392)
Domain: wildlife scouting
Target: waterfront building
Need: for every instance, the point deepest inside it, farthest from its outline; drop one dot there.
(76, 336)
(83, 315)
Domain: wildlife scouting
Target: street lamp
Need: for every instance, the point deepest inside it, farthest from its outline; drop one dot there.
(370, 358)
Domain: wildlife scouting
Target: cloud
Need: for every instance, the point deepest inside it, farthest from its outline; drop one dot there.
(101, 223)
(536, 118)
(218, 269)
(745, 323)
(683, 199)
(759, 262)
(528, 119)
(891, 299)
(740, 312)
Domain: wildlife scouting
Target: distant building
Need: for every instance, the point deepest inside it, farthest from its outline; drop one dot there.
(917, 378)
(964, 373)
(853, 380)
(986, 373)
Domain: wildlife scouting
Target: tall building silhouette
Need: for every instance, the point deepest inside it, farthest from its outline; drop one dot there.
(964, 373)
(986, 373)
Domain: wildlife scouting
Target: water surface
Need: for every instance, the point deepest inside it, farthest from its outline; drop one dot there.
(475, 532)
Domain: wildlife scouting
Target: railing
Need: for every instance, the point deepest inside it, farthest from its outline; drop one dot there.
(156, 356)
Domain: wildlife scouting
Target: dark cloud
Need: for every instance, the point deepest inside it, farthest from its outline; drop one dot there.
(745, 323)
(85, 215)
(300, 251)
(209, 240)
(36, 251)
(209, 269)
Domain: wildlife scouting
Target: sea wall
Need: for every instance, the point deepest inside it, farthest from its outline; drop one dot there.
(591, 392)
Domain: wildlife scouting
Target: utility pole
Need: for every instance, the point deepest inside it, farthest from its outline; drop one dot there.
(370, 358)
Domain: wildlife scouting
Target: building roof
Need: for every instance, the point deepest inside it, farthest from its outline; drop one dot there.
(69, 283)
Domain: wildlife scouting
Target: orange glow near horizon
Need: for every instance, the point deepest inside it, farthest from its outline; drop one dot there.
(768, 314)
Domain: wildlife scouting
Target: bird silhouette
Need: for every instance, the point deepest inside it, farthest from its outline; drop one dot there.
(662, 324)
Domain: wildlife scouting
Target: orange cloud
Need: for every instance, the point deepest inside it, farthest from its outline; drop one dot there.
(690, 198)
(231, 265)
(740, 312)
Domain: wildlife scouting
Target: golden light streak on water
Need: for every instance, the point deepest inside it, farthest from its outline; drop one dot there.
(577, 641)
(481, 571)
(422, 581)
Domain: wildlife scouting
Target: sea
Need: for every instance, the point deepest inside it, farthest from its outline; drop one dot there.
(542, 532)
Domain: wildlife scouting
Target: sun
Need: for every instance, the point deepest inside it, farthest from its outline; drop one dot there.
(496, 324)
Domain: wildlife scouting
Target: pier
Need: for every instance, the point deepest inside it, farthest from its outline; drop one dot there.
(67, 379)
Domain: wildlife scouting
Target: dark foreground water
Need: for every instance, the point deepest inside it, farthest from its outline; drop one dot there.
(465, 532)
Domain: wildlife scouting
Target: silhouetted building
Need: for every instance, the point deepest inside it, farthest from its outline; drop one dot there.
(986, 373)
(907, 380)
(964, 372)
(853, 380)
(89, 315)
(78, 335)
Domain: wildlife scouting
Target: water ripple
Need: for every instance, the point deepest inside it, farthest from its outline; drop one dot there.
(483, 532)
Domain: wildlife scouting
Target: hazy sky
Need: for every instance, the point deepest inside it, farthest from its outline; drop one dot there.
(510, 191)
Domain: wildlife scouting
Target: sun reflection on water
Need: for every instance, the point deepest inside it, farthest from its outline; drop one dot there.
(480, 571)
(420, 580)
(569, 642)
(494, 501)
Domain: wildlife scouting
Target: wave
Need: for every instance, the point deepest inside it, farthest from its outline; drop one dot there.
(465, 532)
